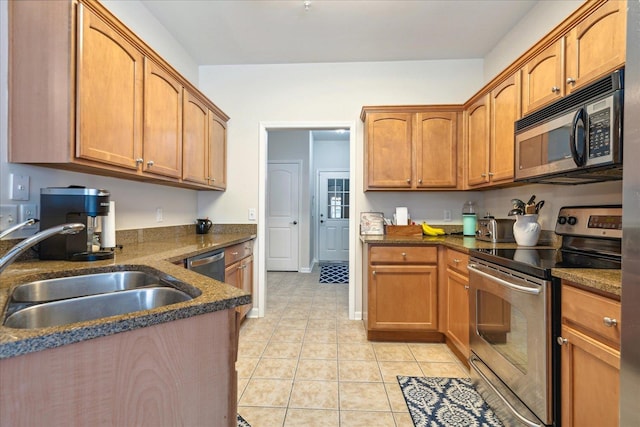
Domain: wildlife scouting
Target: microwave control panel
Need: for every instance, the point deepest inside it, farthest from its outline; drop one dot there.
(599, 130)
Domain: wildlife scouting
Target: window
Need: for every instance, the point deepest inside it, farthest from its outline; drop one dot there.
(338, 198)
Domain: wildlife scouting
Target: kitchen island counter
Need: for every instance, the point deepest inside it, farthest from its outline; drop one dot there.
(163, 255)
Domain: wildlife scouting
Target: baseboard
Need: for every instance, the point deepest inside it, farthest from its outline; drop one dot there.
(306, 270)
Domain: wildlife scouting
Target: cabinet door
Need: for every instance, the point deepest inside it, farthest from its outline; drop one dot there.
(436, 149)
(403, 297)
(162, 122)
(110, 90)
(246, 283)
(590, 381)
(388, 151)
(478, 142)
(232, 274)
(543, 78)
(457, 328)
(596, 45)
(195, 140)
(217, 152)
(505, 110)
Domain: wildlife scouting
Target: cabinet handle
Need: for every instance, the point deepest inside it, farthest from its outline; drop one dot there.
(571, 81)
(404, 254)
(562, 341)
(234, 253)
(373, 272)
(555, 89)
(609, 322)
(456, 260)
(490, 173)
(408, 180)
(466, 287)
(484, 175)
(420, 181)
(139, 161)
(150, 163)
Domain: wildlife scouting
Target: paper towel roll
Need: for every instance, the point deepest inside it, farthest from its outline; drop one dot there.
(402, 216)
(108, 237)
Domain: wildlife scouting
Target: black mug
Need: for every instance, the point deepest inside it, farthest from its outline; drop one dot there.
(203, 226)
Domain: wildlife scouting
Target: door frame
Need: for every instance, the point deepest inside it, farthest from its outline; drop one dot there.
(316, 227)
(259, 307)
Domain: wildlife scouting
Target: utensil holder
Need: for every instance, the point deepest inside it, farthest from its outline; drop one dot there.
(526, 230)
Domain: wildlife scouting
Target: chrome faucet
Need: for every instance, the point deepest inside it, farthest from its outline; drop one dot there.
(14, 252)
(17, 227)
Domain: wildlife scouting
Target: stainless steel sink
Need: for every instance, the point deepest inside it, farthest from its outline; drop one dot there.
(83, 285)
(92, 307)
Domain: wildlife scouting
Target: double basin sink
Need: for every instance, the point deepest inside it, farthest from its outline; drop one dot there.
(66, 300)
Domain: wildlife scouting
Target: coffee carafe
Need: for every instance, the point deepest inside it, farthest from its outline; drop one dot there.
(60, 205)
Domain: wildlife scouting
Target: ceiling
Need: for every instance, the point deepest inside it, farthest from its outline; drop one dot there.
(224, 32)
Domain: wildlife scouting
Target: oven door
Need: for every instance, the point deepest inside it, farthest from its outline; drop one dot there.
(510, 334)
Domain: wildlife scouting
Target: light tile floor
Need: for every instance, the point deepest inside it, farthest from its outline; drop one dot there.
(306, 364)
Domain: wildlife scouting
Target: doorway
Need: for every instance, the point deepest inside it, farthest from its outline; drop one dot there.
(333, 216)
(283, 212)
(311, 184)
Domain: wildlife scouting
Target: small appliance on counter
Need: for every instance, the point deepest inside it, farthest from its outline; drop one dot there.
(495, 230)
(60, 205)
(469, 219)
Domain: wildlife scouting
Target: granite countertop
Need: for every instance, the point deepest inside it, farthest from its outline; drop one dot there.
(606, 282)
(154, 256)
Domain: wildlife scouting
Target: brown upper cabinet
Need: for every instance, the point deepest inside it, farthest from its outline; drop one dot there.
(489, 134)
(592, 46)
(411, 148)
(109, 104)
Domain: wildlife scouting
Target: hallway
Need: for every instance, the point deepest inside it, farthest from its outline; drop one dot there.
(306, 364)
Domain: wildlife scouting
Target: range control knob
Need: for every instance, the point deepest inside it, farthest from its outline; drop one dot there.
(562, 220)
(572, 220)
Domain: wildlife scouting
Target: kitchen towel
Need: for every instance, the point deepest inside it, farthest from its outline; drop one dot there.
(108, 236)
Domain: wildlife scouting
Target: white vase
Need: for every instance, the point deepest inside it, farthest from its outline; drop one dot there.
(526, 230)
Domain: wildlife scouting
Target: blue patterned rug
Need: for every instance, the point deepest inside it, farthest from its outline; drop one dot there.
(445, 402)
(334, 273)
(242, 422)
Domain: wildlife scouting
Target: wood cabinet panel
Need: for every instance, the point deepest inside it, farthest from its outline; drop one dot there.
(388, 150)
(596, 45)
(110, 92)
(162, 143)
(239, 271)
(403, 298)
(195, 140)
(403, 254)
(457, 329)
(505, 110)
(217, 154)
(176, 373)
(543, 78)
(590, 378)
(436, 136)
(477, 120)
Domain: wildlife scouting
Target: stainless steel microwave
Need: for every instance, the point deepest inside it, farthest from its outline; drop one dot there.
(577, 139)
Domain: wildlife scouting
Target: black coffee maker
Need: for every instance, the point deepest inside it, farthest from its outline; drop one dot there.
(61, 205)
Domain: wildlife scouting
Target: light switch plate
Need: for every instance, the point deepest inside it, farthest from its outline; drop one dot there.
(252, 214)
(18, 187)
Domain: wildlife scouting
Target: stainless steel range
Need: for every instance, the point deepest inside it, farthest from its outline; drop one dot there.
(515, 313)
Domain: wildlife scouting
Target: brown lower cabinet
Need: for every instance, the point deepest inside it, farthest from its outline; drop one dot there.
(456, 327)
(238, 271)
(175, 373)
(401, 293)
(590, 339)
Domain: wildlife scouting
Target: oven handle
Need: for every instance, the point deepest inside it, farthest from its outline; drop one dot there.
(534, 291)
(505, 401)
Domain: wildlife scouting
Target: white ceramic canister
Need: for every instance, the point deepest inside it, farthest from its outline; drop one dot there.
(526, 230)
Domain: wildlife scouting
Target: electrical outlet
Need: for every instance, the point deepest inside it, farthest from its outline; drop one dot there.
(8, 216)
(18, 187)
(159, 215)
(447, 215)
(28, 211)
(252, 214)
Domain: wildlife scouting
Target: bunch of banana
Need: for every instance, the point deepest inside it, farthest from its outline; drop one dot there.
(431, 231)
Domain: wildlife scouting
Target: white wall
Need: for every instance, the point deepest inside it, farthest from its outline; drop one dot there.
(136, 203)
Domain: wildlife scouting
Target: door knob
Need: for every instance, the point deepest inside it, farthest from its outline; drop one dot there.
(322, 221)
(295, 223)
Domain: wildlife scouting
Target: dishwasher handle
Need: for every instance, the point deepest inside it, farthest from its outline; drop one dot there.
(204, 261)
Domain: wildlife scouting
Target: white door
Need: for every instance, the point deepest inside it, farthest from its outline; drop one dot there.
(333, 216)
(282, 216)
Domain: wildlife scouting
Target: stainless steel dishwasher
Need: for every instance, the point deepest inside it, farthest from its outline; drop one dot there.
(210, 264)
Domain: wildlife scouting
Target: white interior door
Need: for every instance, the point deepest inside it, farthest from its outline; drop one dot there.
(333, 216)
(283, 210)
